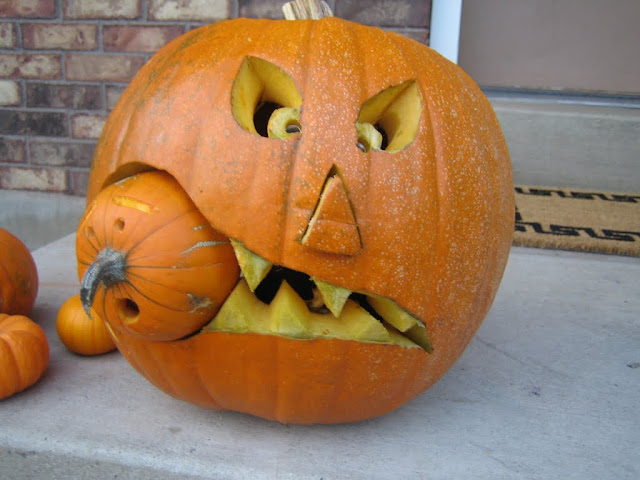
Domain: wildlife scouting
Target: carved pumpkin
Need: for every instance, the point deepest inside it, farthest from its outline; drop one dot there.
(18, 276)
(24, 353)
(366, 187)
(82, 333)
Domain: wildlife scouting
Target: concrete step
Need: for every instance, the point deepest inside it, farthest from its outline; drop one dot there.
(39, 218)
(580, 145)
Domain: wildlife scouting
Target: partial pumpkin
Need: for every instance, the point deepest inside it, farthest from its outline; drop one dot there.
(18, 276)
(366, 187)
(82, 333)
(24, 353)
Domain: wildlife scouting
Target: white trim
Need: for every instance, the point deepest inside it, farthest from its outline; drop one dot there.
(444, 31)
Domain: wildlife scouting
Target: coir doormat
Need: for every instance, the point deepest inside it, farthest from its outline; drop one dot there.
(573, 219)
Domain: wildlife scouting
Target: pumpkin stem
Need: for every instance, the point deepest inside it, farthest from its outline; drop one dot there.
(306, 10)
(107, 269)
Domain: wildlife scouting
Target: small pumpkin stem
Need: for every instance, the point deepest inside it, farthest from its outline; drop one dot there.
(306, 10)
(107, 269)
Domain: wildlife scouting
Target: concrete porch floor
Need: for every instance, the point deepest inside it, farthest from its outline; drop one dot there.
(547, 389)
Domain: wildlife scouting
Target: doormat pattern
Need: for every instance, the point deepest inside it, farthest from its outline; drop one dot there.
(574, 219)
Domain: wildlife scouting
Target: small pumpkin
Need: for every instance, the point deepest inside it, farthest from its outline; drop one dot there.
(144, 248)
(18, 276)
(365, 185)
(24, 353)
(81, 333)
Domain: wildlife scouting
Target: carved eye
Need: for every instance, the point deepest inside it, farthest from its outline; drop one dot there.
(265, 101)
(389, 120)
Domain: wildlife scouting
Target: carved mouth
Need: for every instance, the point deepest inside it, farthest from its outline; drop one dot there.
(273, 299)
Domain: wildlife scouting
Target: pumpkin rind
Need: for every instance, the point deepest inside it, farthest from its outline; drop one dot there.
(435, 218)
(80, 333)
(18, 276)
(24, 353)
(166, 261)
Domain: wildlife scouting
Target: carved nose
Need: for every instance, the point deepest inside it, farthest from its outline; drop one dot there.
(333, 227)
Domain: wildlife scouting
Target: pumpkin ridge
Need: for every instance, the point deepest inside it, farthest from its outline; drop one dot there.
(12, 356)
(340, 384)
(441, 181)
(410, 50)
(287, 204)
(147, 237)
(96, 249)
(491, 178)
(203, 385)
(123, 285)
(25, 379)
(4, 272)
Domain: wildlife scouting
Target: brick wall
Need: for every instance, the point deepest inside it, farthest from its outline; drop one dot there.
(64, 64)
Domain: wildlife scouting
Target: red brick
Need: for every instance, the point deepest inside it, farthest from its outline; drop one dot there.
(114, 68)
(391, 13)
(30, 65)
(78, 181)
(138, 38)
(61, 153)
(10, 94)
(31, 8)
(196, 10)
(113, 93)
(41, 179)
(87, 126)
(7, 35)
(12, 150)
(102, 9)
(261, 8)
(60, 36)
(27, 122)
(69, 95)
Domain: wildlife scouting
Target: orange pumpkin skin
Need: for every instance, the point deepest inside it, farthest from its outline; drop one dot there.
(24, 353)
(80, 333)
(18, 276)
(169, 252)
(289, 380)
(435, 219)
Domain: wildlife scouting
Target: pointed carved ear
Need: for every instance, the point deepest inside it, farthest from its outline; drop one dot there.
(265, 100)
(389, 120)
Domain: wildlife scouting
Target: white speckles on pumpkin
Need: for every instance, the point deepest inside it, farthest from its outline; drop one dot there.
(435, 217)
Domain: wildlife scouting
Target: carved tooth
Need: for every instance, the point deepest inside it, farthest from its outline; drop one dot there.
(334, 296)
(362, 325)
(411, 327)
(288, 313)
(254, 267)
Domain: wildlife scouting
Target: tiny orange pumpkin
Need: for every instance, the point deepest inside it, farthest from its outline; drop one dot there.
(81, 333)
(24, 353)
(18, 276)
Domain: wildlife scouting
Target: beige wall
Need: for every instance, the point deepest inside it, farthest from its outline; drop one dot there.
(580, 45)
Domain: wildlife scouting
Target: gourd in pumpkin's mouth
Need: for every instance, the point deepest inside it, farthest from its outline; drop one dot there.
(272, 299)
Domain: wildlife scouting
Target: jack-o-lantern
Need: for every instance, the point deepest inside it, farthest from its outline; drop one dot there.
(364, 184)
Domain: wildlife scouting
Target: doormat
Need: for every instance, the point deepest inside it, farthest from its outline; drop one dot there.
(573, 219)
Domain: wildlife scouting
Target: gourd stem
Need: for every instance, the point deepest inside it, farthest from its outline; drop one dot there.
(306, 10)
(107, 269)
